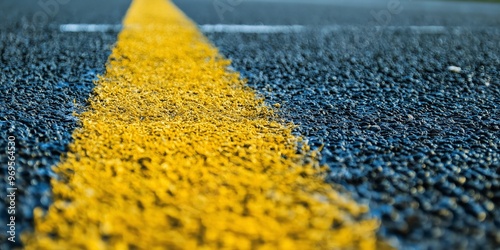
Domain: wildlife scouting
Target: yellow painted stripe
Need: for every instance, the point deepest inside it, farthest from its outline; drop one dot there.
(175, 152)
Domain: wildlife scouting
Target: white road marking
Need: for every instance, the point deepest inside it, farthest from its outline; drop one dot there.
(270, 29)
(244, 28)
(89, 27)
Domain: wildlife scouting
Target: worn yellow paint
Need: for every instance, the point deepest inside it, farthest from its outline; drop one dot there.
(175, 152)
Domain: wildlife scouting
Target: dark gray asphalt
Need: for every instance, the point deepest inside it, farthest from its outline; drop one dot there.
(45, 76)
(417, 142)
(341, 12)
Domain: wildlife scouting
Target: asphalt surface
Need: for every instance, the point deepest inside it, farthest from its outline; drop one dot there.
(399, 130)
(45, 76)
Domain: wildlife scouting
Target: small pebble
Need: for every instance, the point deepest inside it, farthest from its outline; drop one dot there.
(454, 69)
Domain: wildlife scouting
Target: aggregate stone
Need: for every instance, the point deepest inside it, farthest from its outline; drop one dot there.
(398, 130)
(46, 77)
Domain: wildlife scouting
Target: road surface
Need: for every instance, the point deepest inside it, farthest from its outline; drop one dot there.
(401, 99)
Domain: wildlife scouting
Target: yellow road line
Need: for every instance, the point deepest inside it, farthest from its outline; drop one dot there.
(176, 152)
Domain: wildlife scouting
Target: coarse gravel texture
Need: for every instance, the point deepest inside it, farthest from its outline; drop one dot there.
(45, 76)
(39, 100)
(342, 12)
(176, 153)
(399, 130)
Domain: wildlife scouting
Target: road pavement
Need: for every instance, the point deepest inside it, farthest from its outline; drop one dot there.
(377, 89)
(400, 97)
(46, 75)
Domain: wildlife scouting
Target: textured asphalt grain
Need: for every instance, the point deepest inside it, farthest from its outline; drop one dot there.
(400, 131)
(45, 77)
(417, 142)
